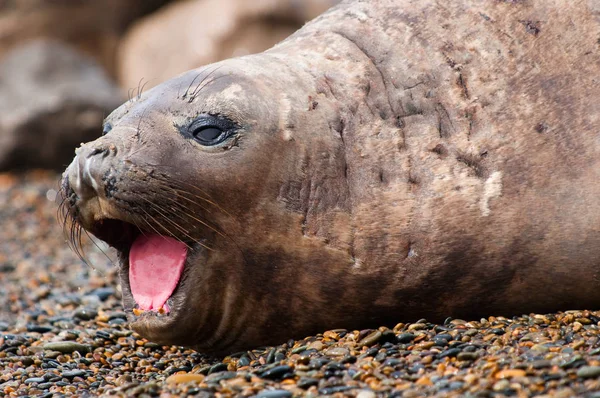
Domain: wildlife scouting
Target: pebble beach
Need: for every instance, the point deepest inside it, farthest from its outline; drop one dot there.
(63, 332)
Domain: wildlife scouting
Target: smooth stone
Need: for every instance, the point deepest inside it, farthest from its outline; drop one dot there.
(467, 356)
(220, 367)
(366, 394)
(103, 334)
(103, 292)
(405, 338)
(299, 349)
(69, 374)
(244, 361)
(39, 328)
(371, 339)
(540, 364)
(452, 352)
(306, 382)
(333, 390)
(416, 326)
(217, 377)
(587, 372)
(185, 378)
(501, 385)
(34, 380)
(85, 314)
(539, 348)
(67, 347)
(316, 345)
(276, 372)
(274, 394)
(337, 351)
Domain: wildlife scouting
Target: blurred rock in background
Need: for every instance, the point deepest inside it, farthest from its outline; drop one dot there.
(187, 34)
(59, 60)
(93, 27)
(51, 99)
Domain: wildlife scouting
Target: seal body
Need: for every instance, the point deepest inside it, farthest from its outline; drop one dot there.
(390, 161)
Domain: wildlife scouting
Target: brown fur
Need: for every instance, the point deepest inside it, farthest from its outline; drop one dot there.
(395, 160)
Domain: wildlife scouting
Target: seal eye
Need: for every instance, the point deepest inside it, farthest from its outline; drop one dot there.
(106, 129)
(208, 135)
(210, 130)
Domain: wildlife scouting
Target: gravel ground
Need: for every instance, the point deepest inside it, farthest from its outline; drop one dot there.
(63, 332)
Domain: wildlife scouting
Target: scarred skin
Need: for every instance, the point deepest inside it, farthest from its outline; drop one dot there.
(392, 160)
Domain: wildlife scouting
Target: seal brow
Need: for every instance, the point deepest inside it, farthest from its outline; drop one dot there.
(372, 60)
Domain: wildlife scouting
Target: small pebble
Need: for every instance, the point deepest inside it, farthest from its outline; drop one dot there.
(370, 339)
(276, 372)
(501, 385)
(466, 356)
(306, 382)
(67, 347)
(274, 394)
(587, 372)
(508, 373)
(185, 378)
(366, 394)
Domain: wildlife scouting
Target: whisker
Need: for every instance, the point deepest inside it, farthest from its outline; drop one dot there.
(196, 90)
(167, 184)
(179, 227)
(138, 88)
(102, 251)
(183, 210)
(199, 197)
(206, 198)
(204, 86)
(192, 82)
(154, 221)
(179, 194)
(75, 243)
(137, 134)
(188, 214)
(140, 91)
(157, 223)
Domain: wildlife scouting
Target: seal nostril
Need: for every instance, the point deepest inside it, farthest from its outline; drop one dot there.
(94, 152)
(104, 151)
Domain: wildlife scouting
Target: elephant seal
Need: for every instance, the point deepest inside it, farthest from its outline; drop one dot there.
(391, 160)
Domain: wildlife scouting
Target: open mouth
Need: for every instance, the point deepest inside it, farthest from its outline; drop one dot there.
(155, 263)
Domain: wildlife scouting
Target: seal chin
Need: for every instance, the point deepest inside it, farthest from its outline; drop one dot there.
(163, 324)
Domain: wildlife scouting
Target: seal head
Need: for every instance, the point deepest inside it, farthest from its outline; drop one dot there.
(192, 183)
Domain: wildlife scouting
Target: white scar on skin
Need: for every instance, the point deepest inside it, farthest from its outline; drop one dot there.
(77, 186)
(492, 187)
(231, 92)
(86, 171)
(285, 109)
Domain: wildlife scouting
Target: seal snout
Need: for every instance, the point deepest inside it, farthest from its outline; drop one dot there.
(90, 186)
(90, 169)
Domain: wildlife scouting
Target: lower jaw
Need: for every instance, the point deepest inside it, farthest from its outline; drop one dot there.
(131, 306)
(164, 311)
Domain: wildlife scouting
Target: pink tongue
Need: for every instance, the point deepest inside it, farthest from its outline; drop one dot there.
(155, 266)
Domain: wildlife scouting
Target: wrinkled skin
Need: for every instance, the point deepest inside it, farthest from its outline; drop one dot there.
(392, 160)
